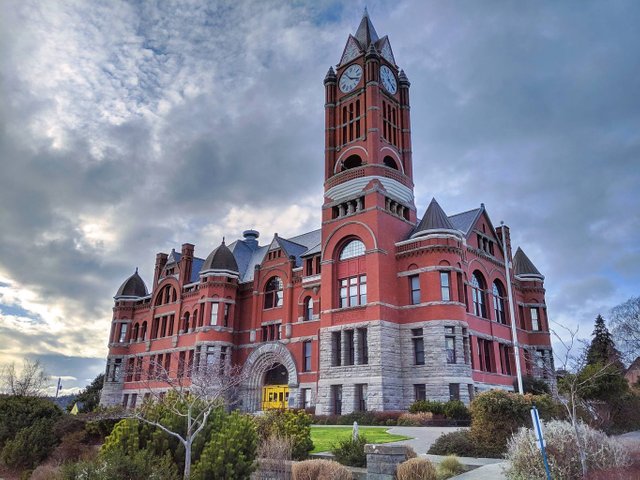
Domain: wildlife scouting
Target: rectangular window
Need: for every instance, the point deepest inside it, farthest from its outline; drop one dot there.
(181, 363)
(336, 397)
(360, 404)
(123, 332)
(465, 346)
(138, 373)
(171, 321)
(134, 400)
(336, 350)
(306, 398)
(117, 368)
(214, 313)
(309, 264)
(190, 363)
(445, 288)
(306, 353)
(363, 346)
(265, 335)
(211, 355)
(226, 315)
(450, 344)
(523, 323)
(485, 352)
(125, 400)
(223, 359)
(418, 346)
(130, 367)
(414, 285)
(505, 358)
(164, 327)
(349, 339)
(461, 291)
(454, 391)
(420, 391)
(535, 319)
(353, 291)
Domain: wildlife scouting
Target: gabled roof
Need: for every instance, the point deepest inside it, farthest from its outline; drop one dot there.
(466, 220)
(434, 219)
(133, 286)
(174, 257)
(366, 33)
(523, 266)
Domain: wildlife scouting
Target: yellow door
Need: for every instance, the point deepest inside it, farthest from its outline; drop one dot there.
(275, 396)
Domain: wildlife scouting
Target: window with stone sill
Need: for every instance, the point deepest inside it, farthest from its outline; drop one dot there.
(418, 346)
(414, 285)
(445, 286)
(477, 293)
(499, 303)
(273, 294)
(306, 355)
(450, 344)
(419, 392)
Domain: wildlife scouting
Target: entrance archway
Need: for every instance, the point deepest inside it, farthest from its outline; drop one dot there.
(275, 390)
(267, 365)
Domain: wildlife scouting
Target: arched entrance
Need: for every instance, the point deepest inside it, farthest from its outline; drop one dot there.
(275, 390)
(271, 370)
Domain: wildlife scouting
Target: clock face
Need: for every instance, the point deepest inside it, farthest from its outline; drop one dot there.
(350, 78)
(388, 80)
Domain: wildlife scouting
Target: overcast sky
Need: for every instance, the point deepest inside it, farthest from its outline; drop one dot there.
(130, 128)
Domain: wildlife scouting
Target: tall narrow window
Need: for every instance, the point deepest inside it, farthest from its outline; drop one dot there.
(223, 360)
(535, 319)
(419, 392)
(465, 346)
(418, 346)
(273, 293)
(477, 292)
(360, 404)
(226, 315)
(445, 287)
(454, 391)
(523, 323)
(336, 396)
(123, 332)
(363, 346)
(336, 350)
(450, 344)
(414, 284)
(498, 303)
(214, 313)
(350, 353)
(306, 353)
(461, 295)
(308, 309)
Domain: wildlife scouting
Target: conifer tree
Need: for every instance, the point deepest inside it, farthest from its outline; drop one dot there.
(602, 350)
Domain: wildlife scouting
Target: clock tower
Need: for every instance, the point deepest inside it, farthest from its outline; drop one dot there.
(367, 129)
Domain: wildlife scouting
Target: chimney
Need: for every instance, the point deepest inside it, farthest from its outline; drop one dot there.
(161, 261)
(505, 229)
(186, 263)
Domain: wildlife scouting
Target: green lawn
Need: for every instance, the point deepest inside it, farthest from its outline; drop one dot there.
(325, 437)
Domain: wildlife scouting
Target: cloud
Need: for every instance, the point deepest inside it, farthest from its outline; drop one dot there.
(130, 128)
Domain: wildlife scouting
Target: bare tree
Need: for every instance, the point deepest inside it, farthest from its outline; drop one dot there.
(190, 393)
(625, 320)
(30, 381)
(575, 382)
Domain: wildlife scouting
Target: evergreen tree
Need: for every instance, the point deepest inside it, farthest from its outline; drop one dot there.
(602, 350)
(89, 398)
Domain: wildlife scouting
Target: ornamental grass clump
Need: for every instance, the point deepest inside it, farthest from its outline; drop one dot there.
(319, 470)
(416, 469)
(525, 461)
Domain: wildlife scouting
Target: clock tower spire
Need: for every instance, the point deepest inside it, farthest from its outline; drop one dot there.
(367, 130)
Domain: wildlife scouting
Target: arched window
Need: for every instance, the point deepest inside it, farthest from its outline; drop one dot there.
(185, 327)
(143, 332)
(498, 302)
(354, 248)
(477, 293)
(273, 293)
(352, 162)
(134, 332)
(390, 162)
(308, 309)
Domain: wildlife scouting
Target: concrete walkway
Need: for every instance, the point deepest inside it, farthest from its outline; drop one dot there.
(421, 437)
(493, 471)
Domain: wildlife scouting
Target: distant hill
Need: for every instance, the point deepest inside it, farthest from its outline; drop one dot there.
(63, 400)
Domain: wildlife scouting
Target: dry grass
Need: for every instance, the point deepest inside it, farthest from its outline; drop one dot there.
(274, 456)
(320, 470)
(416, 469)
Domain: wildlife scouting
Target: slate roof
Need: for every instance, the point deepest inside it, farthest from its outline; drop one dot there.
(366, 33)
(133, 286)
(522, 265)
(464, 221)
(434, 219)
(221, 259)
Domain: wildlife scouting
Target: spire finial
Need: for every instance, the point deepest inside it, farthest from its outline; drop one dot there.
(366, 13)
(136, 269)
(223, 239)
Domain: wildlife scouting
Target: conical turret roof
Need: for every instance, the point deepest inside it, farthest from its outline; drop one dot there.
(434, 219)
(221, 259)
(133, 286)
(366, 33)
(523, 266)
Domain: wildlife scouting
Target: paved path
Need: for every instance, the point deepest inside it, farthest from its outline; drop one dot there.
(421, 437)
(492, 471)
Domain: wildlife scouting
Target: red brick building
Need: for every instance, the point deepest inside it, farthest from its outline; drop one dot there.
(375, 309)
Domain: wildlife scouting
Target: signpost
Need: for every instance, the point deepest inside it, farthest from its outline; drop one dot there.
(537, 429)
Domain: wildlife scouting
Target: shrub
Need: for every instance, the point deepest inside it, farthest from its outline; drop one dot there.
(351, 452)
(72, 447)
(319, 470)
(389, 419)
(435, 407)
(535, 386)
(454, 443)
(450, 467)
(496, 415)
(273, 455)
(525, 461)
(455, 409)
(230, 452)
(31, 445)
(142, 465)
(294, 424)
(415, 419)
(17, 413)
(416, 469)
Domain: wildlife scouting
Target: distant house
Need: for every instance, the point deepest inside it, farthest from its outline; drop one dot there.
(633, 372)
